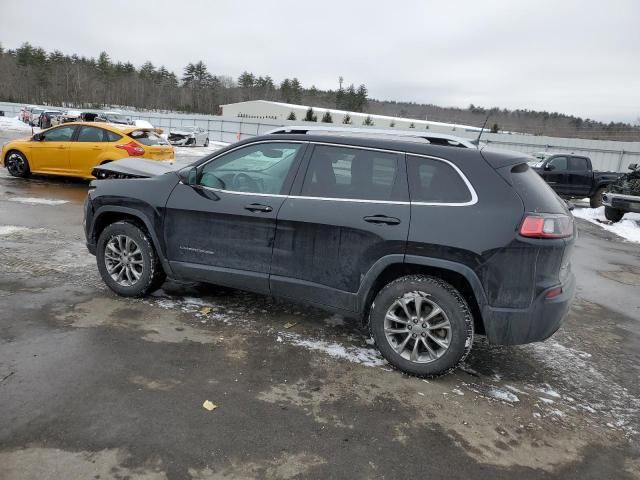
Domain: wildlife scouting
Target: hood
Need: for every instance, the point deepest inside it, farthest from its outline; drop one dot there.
(132, 168)
(180, 132)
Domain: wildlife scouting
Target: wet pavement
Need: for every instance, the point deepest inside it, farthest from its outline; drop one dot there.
(97, 386)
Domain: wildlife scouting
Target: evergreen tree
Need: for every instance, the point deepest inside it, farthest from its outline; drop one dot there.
(326, 118)
(495, 128)
(292, 116)
(412, 125)
(392, 124)
(368, 122)
(361, 98)
(310, 116)
(347, 119)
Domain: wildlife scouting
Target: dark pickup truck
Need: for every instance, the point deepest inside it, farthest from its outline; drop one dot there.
(571, 176)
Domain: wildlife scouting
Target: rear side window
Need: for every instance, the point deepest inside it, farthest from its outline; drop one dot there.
(147, 137)
(435, 181)
(111, 136)
(338, 172)
(578, 163)
(90, 134)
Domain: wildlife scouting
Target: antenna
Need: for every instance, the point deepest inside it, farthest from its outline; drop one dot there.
(477, 142)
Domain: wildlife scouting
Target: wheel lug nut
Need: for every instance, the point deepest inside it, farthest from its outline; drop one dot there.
(415, 320)
(409, 327)
(414, 335)
(424, 325)
(424, 334)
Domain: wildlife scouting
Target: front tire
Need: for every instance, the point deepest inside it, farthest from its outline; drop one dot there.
(17, 164)
(127, 261)
(596, 200)
(206, 142)
(613, 214)
(421, 325)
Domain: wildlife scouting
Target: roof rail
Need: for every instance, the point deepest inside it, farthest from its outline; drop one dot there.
(441, 139)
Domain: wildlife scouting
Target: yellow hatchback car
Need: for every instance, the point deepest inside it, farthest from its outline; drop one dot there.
(75, 149)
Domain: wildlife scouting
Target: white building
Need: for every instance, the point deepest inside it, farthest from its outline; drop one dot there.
(264, 109)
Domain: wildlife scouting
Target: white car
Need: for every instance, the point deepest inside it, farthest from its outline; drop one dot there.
(192, 136)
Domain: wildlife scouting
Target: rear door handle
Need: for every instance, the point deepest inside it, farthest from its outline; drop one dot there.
(382, 219)
(257, 207)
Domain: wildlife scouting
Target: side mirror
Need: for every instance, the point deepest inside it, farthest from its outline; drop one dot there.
(38, 137)
(189, 176)
(549, 167)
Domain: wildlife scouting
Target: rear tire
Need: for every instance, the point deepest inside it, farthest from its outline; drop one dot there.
(17, 164)
(613, 214)
(127, 260)
(596, 200)
(431, 334)
(206, 142)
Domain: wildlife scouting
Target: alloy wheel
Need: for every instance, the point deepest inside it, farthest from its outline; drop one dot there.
(417, 328)
(123, 259)
(16, 164)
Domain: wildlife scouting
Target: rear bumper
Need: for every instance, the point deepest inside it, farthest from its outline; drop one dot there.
(628, 203)
(507, 326)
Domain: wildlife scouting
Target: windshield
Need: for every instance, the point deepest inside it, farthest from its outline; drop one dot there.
(186, 129)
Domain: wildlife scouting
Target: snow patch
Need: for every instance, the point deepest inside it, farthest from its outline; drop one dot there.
(14, 229)
(628, 228)
(365, 356)
(492, 392)
(37, 201)
(13, 124)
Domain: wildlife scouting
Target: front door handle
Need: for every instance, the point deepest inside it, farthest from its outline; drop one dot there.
(257, 207)
(382, 219)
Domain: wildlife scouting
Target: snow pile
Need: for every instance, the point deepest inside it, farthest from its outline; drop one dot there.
(13, 124)
(628, 228)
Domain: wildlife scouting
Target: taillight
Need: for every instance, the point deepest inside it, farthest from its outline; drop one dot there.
(132, 148)
(544, 225)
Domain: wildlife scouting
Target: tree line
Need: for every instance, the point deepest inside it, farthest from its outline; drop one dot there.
(30, 74)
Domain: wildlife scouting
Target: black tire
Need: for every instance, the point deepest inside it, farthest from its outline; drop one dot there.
(613, 214)
(455, 309)
(17, 164)
(596, 200)
(206, 142)
(152, 276)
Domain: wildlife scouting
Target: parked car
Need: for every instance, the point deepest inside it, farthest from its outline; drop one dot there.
(572, 176)
(34, 116)
(192, 136)
(74, 149)
(46, 118)
(66, 117)
(112, 117)
(623, 196)
(427, 244)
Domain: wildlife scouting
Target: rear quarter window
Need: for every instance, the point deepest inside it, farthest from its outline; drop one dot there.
(112, 136)
(536, 195)
(435, 181)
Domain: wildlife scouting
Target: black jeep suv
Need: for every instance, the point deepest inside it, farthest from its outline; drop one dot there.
(427, 244)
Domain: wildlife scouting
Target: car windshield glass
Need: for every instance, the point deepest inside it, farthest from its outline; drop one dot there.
(115, 116)
(185, 129)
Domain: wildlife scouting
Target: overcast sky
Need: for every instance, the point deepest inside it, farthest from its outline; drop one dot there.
(578, 57)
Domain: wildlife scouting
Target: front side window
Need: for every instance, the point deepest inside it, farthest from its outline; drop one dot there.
(260, 168)
(435, 181)
(90, 134)
(62, 134)
(339, 172)
(557, 163)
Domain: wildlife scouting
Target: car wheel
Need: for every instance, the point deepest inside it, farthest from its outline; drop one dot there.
(127, 261)
(206, 142)
(613, 214)
(17, 164)
(596, 200)
(421, 325)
